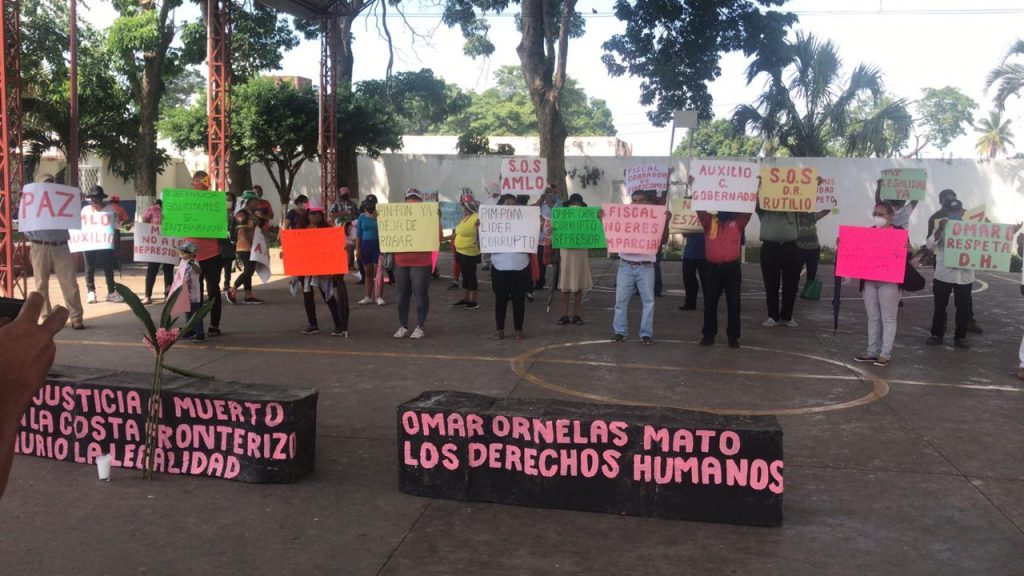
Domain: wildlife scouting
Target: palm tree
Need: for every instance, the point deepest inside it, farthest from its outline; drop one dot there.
(1008, 75)
(814, 112)
(995, 135)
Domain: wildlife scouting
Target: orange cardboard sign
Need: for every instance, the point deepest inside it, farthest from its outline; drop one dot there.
(314, 251)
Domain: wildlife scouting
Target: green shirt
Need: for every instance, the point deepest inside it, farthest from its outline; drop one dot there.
(807, 230)
(778, 226)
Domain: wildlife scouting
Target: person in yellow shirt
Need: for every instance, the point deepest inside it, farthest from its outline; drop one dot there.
(466, 239)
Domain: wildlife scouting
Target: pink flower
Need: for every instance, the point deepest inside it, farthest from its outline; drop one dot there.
(164, 339)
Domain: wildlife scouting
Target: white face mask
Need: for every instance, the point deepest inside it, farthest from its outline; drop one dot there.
(880, 222)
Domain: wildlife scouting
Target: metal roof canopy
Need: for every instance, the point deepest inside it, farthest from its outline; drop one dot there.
(302, 8)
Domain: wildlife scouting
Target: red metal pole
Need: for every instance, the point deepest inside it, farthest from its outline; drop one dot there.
(72, 160)
(12, 252)
(218, 53)
(329, 52)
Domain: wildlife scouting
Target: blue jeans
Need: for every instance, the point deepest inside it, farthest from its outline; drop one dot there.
(641, 275)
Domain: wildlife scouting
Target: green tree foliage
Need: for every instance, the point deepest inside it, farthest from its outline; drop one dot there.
(815, 113)
(1008, 76)
(716, 139)
(506, 110)
(475, 142)
(944, 113)
(996, 136)
(421, 101)
(674, 46)
(105, 122)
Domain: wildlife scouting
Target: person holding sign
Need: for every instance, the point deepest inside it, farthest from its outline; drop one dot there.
(154, 215)
(49, 252)
(810, 251)
(780, 264)
(946, 281)
(412, 276)
(510, 279)
(635, 271)
(247, 220)
(723, 235)
(368, 250)
(881, 302)
(466, 240)
(547, 201)
(332, 288)
(574, 275)
(105, 257)
(188, 276)
(904, 209)
(210, 260)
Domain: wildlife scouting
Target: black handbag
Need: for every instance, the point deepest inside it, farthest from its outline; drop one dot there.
(912, 279)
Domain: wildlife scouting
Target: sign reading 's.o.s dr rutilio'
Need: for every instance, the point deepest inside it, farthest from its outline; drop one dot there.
(524, 175)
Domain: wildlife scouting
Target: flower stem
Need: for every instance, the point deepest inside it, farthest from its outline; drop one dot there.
(153, 418)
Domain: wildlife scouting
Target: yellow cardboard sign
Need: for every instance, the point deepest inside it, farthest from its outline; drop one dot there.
(788, 189)
(412, 227)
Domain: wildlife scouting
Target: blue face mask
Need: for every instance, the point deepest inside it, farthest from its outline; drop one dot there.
(956, 217)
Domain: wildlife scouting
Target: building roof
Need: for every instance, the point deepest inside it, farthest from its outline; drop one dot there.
(302, 8)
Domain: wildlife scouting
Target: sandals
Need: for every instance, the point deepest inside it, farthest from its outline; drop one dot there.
(575, 320)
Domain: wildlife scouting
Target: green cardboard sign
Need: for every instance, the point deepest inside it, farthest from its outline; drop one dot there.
(978, 245)
(194, 214)
(904, 184)
(577, 227)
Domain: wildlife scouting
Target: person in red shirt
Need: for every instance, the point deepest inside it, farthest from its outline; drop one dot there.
(722, 245)
(263, 206)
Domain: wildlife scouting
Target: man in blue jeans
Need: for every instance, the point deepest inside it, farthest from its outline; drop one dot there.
(635, 270)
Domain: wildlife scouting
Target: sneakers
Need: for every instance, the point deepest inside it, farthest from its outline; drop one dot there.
(453, 286)
(865, 358)
(147, 301)
(769, 323)
(734, 344)
(231, 296)
(961, 344)
(90, 298)
(882, 361)
(366, 300)
(381, 302)
(78, 325)
(198, 338)
(115, 297)
(618, 338)
(401, 332)
(417, 333)
(529, 296)
(706, 342)
(577, 320)
(460, 303)
(213, 331)
(647, 340)
(688, 307)
(472, 305)
(933, 341)
(310, 330)
(563, 321)
(340, 333)
(791, 323)
(974, 328)
(252, 300)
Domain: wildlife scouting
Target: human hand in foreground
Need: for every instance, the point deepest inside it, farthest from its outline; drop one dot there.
(26, 354)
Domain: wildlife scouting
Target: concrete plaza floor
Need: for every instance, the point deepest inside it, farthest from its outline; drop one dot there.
(916, 468)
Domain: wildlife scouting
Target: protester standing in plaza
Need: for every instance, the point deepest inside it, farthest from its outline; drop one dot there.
(154, 215)
(248, 219)
(189, 276)
(466, 240)
(809, 250)
(780, 264)
(636, 271)
(510, 280)
(723, 274)
(210, 261)
(945, 197)
(574, 275)
(693, 268)
(103, 258)
(296, 217)
(547, 201)
(227, 245)
(49, 252)
(946, 281)
(368, 250)
(904, 209)
(331, 287)
(881, 302)
(263, 206)
(412, 276)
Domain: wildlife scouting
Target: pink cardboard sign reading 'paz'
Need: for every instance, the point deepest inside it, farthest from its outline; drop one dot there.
(872, 253)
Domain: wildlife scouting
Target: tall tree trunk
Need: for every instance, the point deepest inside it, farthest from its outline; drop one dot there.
(148, 91)
(348, 158)
(543, 67)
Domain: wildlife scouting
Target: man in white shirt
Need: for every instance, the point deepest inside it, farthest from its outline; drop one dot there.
(958, 281)
(635, 270)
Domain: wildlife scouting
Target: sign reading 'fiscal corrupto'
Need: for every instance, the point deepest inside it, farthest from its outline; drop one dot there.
(724, 186)
(634, 228)
(509, 229)
(576, 227)
(194, 214)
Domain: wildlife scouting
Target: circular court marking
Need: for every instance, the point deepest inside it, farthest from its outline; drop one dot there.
(879, 386)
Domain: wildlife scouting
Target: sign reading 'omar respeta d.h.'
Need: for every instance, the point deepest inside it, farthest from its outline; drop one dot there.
(640, 461)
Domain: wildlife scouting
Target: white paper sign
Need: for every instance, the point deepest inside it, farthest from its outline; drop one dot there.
(260, 254)
(509, 229)
(524, 175)
(826, 195)
(724, 186)
(97, 230)
(48, 206)
(647, 177)
(151, 246)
